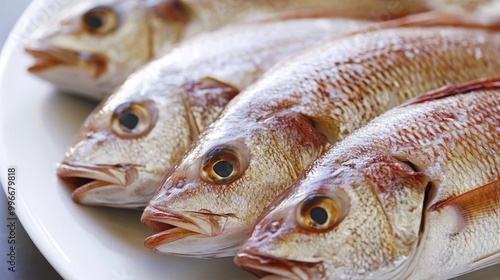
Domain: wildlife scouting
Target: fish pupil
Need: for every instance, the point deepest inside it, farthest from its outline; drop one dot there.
(223, 168)
(318, 215)
(129, 121)
(93, 21)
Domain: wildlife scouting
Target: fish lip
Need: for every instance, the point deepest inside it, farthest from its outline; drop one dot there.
(263, 265)
(95, 176)
(171, 225)
(47, 57)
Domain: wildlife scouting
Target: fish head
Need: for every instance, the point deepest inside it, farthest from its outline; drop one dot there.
(97, 44)
(340, 222)
(233, 171)
(132, 139)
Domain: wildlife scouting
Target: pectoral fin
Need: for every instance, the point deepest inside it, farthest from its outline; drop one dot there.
(474, 205)
(482, 262)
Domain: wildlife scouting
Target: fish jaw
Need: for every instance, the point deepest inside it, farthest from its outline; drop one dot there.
(85, 73)
(99, 184)
(49, 57)
(188, 233)
(267, 267)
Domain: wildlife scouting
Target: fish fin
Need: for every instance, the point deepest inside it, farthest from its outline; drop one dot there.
(436, 18)
(446, 91)
(308, 14)
(483, 262)
(172, 10)
(473, 205)
(430, 19)
(487, 260)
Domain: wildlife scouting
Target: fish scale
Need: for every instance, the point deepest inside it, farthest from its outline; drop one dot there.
(466, 169)
(427, 148)
(334, 88)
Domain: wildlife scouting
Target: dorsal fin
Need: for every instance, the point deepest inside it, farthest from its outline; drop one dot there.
(311, 14)
(475, 204)
(446, 91)
(430, 19)
(436, 18)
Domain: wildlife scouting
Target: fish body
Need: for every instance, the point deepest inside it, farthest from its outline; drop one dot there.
(414, 194)
(92, 47)
(132, 140)
(270, 133)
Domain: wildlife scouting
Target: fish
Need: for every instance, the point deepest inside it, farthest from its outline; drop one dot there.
(268, 134)
(133, 138)
(92, 47)
(414, 194)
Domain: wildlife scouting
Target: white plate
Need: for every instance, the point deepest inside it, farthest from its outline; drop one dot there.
(36, 126)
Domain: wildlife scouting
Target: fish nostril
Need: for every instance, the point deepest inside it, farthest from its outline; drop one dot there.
(274, 227)
(267, 231)
(180, 183)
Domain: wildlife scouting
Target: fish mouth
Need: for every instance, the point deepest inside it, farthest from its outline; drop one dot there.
(49, 57)
(267, 267)
(85, 178)
(171, 226)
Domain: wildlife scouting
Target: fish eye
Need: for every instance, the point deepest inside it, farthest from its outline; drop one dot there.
(320, 212)
(101, 20)
(132, 119)
(221, 166)
(128, 121)
(318, 215)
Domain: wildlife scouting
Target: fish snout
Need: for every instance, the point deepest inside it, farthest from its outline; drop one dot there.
(178, 232)
(96, 184)
(47, 57)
